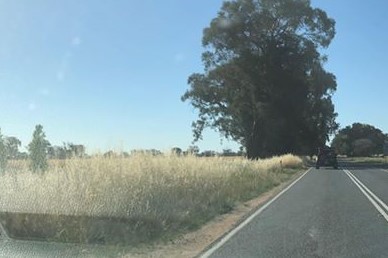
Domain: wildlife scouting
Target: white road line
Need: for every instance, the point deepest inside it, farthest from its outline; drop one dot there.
(3, 233)
(382, 212)
(370, 192)
(384, 170)
(228, 236)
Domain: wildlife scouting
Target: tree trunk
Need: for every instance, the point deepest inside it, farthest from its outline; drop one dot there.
(255, 143)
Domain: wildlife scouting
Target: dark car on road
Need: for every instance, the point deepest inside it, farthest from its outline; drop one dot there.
(327, 157)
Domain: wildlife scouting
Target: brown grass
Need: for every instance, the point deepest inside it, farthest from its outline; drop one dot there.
(176, 193)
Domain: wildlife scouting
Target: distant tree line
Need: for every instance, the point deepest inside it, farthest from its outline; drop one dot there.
(194, 151)
(67, 150)
(10, 148)
(39, 150)
(191, 151)
(360, 140)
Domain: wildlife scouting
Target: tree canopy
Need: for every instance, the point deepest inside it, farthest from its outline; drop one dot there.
(264, 84)
(12, 145)
(3, 154)
(38, 149)
(359, 140)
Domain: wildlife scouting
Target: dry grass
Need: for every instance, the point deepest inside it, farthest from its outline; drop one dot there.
(174, 192)
(372, 161)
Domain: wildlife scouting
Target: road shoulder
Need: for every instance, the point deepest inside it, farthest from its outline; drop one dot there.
(192, 244)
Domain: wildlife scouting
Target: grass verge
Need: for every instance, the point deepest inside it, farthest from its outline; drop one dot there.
(370, 160)
(144, 197)
(367, 162)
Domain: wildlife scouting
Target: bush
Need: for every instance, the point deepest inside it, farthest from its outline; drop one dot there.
(38, 150)
(3, 154)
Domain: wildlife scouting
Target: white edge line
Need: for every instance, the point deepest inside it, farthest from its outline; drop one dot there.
(382, 212)
(3, 233)
(222, 241)
(369, 191)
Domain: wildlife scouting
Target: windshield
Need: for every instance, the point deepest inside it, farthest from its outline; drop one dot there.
(237, 128)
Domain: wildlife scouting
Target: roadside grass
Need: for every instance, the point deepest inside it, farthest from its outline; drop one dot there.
(159, 196)
(368, 160)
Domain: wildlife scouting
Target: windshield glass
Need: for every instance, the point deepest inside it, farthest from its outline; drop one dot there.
(153, 128)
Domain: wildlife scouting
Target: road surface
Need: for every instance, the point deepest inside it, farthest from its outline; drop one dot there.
(326, 213)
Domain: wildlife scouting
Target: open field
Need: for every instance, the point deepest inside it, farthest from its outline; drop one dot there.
(169, 194)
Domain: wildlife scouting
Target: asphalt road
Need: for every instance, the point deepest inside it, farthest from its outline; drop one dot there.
(327, 213)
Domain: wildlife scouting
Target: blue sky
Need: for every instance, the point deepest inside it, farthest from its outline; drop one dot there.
(109, 74)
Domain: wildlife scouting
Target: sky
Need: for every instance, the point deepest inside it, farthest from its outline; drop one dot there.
(110, 74)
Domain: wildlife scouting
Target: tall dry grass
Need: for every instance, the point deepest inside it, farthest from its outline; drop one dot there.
(174, 192)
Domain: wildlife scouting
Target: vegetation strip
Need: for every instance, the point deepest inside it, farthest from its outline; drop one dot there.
(192, 244)
(162, 195)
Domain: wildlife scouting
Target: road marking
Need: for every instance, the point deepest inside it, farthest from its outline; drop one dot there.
(3, 233)
(229, 235)
(369, 194)
(384, 170)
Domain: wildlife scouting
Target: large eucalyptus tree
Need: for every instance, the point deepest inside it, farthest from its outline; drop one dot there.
(264, 84)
